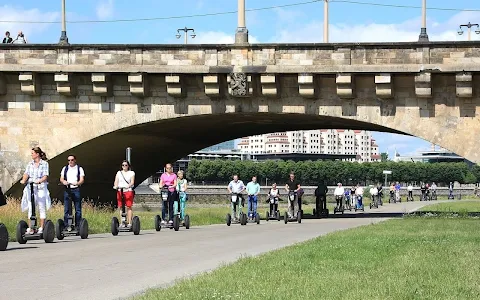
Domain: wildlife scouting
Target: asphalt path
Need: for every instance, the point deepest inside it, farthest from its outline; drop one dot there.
(107, 267)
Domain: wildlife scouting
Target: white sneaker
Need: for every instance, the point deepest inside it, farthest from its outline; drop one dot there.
(170, 222)
(40, 230)
(29, 231)
(163, 222)
(129, 225)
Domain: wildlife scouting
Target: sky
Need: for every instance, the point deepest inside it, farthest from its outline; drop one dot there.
(349, 22)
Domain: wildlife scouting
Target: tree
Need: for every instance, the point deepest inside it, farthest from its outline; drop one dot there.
(384, 156)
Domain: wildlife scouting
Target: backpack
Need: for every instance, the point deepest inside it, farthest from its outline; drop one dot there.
(65, 173)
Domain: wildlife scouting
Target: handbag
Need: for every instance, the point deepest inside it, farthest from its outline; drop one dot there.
(133, 189)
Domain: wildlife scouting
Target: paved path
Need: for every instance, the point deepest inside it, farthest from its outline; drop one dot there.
(106, 267)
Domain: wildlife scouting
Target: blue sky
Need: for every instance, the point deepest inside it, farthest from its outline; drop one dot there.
(302, 23)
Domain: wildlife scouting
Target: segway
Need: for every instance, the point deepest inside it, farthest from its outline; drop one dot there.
(399, 197)
(380, 199)
(3, 237)
(409, 197)
(320, 209)
(339, 208)
(176, 219)
(273, 213)
(392, 197)
(242, 218)
(347, 204)
(434, 195)
(359, 204)
(48, 234)
(117, 227)
(80, 229)
(423, 196)
(374, 203)
(251, 218)
(298, 218)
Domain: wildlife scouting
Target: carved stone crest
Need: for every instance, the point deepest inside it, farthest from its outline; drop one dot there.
(238, 84)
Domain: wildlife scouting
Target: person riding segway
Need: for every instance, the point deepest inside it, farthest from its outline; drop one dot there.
(72, 177)
(392, 194)
(434, 191)
(346, 197)
(423, 190)
(410, 192)
(179, 207)
(235, 189)
(359, 196)
(168, 184)
(273, 198)
(374, 195)
(292, 186)
(123, 185)
(338, 193)
(320, 209)
(253, 189)
(380, 194)
(36, 192)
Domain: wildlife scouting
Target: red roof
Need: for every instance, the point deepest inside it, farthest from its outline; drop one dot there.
(340, 130)
(277, 142)
(376, 156)
(357, 131)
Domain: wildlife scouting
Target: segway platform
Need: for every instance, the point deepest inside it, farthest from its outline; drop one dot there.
(48, 234)
(117, 227)
(62, 231)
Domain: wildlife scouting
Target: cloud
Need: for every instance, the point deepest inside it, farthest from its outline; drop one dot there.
(104, 9)
(16, 15)
(406, 31)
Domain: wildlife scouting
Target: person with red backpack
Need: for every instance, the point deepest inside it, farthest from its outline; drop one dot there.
(72, 177)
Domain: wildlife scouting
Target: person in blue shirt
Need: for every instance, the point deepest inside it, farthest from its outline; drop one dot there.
(253, 189)
(397, 191)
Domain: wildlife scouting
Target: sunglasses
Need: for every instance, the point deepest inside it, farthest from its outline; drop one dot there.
(124, 165)
(71, 160)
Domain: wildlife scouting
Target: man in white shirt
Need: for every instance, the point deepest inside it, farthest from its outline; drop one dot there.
(410, 191)
(374, 193)
(72, 177)
(236, 186)
(338, 193)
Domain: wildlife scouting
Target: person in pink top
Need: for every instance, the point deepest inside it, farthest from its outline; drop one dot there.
(169, 180)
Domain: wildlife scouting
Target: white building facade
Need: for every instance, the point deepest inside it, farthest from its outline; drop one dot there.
(324, 141)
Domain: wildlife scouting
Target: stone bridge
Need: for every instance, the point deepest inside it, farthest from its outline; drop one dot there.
(166, 101)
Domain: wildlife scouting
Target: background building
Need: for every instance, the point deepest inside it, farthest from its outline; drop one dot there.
(325, 141)
(228, 145)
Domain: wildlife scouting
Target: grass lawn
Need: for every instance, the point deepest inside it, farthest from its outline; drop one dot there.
(460, 207)
(411, 258)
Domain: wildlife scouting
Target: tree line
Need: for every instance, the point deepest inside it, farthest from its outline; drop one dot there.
(312, 172)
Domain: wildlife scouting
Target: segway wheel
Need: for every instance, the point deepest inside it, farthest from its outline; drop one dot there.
(21, 229)
(83, 229)
(187, 221)
(267, 216)
(277, 213)
(114, 226)
(244, 219)
(158, 223)
(370, 205)
(136, 225)
(299, 217)
(257, 218)
(176, 223)
(285, 217)
(59, 229)
(3, 237)
(48, 232)
(314, 212)
(229, 219)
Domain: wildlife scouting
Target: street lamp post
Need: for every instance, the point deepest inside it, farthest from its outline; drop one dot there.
(63, 37)
(186, 30)
(325, 21)
(423, 37)
(469, 26)
(241, 34)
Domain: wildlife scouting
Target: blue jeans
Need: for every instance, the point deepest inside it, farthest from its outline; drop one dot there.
(67, 206)
(359, 201)
(252, 203)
